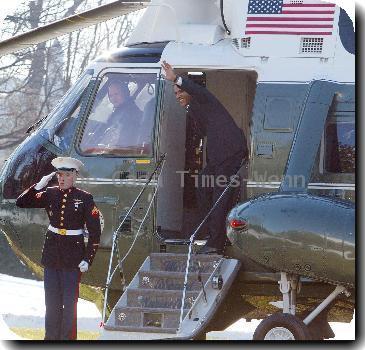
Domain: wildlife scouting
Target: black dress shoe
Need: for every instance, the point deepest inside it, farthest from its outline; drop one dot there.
(207, 250)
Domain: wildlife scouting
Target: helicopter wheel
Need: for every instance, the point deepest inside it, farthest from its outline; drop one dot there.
(282, 326)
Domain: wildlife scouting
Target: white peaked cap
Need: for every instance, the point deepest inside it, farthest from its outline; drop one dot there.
(67, 163)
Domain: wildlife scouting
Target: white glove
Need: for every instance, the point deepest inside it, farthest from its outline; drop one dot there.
(44, 181)
(84, 266)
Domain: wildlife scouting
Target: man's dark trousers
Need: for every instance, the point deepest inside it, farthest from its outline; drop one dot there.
(208, 194)
(61, 287)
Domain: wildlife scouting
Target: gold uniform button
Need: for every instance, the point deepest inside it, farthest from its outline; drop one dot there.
(61, 217)
(65, 195)
(63, 207)
(62, 212)
(64, 200)
(61, 224)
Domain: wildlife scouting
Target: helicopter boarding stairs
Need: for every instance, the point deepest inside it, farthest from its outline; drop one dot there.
(151, 306)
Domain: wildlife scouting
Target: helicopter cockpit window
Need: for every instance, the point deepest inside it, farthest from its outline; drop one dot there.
(61, 123)
(121, 119)
(30, 162)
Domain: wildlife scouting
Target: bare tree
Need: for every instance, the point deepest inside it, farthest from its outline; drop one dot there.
(34, 79)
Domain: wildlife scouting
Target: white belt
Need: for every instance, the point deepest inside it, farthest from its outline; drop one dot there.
(65, 232)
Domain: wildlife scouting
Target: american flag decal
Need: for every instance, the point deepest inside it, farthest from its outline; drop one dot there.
(290, 17)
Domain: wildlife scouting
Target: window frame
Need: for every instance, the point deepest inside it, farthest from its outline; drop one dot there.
(65, 110)
(85, 118)
(335, 118)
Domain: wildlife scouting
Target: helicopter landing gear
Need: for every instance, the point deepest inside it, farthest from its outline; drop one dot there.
(280, 326)
(284, 326)
(289, 287)
(287, 326)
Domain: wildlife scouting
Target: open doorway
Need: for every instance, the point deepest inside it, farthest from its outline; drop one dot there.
(185, 145)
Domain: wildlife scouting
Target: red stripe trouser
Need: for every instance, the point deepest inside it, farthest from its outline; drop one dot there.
(61, 288)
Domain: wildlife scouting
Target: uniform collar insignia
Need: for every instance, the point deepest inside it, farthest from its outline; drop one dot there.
(66, 191)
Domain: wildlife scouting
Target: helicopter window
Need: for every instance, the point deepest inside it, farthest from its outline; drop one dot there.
(64, 131)
(32, 160)
(340, 147)
(121, 119)
(61, 123)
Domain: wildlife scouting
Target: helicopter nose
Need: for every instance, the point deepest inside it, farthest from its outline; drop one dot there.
(26, 166)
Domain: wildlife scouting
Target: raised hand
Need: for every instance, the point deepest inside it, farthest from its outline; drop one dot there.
(44, 181)
(169, 71)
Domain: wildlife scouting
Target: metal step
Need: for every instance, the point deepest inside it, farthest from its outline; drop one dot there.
(141, 330)
(150, 306)
(176, 241)
(168, 280)
(158, 298)
(147, 318)
(205, 263)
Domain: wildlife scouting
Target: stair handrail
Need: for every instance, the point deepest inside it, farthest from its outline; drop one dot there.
(120, 264)
(159, 165)
(205, 285)
(192, 237)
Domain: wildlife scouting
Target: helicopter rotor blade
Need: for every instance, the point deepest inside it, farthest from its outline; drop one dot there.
(70, 24)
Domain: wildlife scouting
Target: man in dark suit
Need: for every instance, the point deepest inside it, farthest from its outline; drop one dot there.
(64, 254)
(226, 148)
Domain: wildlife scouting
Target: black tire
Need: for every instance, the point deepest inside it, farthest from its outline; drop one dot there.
(292, 323)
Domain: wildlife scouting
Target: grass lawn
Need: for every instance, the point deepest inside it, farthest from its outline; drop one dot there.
(38, 334)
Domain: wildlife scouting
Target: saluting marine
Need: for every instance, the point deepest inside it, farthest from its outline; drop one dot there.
(64, 254)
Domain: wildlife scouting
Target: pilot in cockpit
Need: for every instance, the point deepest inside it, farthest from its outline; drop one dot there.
(117, 124)
(125, 119)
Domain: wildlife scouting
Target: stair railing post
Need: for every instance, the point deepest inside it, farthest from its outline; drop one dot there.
(159, 165)
(185, 281)
(108, 277)
(139, 228)
(192, 237)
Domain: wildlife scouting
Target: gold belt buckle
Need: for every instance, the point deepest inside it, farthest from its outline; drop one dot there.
(62, 231)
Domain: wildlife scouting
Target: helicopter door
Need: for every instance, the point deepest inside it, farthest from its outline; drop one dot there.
(182, 139)
(116, 146)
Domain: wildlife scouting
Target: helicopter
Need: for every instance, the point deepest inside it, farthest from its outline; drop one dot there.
(278, 70)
